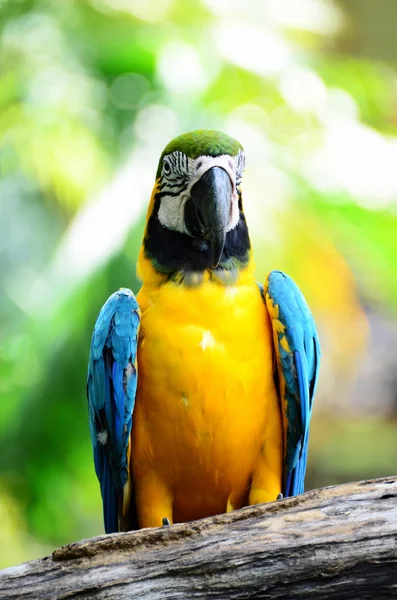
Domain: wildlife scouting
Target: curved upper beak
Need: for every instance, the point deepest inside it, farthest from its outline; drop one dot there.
(207, 211)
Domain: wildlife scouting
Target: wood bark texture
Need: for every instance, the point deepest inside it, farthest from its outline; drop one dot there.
(337, 542)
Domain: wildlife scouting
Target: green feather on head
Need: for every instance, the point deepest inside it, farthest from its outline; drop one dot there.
(202, 142)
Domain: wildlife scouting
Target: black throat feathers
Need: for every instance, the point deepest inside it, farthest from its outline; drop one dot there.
(177, 254)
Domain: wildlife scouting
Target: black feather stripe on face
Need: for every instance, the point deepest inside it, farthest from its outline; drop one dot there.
(172, 252)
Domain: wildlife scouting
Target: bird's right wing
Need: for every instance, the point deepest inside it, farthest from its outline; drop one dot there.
(111, 388)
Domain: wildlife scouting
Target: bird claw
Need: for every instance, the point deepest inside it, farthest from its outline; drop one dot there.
(166, 522)
(280, 497)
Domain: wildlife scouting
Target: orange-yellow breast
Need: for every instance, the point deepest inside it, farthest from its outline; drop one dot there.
(205, 393)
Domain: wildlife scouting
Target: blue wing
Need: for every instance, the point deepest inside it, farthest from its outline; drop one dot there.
(297, 353)
(111, 388)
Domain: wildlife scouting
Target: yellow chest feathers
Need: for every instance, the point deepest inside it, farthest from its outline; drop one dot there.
(211, 317)
(210, 340)
(205, 390)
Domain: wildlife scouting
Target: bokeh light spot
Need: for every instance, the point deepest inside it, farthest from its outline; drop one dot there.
(180, 68)
(128, 89)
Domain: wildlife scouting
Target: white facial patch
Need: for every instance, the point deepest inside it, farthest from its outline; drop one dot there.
(183, 175)
(171, 213)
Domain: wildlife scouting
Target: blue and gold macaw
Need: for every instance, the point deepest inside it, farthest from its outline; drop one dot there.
(200, 389)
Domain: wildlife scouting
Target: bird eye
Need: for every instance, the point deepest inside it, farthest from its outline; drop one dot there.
(166, 167)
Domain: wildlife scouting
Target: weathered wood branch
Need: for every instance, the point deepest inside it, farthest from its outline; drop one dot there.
(338, 542)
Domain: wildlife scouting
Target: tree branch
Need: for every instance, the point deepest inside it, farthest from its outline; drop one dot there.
(338, 542)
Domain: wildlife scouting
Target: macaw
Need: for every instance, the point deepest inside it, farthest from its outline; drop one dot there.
(200, 389)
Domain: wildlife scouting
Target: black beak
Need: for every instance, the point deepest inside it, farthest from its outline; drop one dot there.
(207, 211)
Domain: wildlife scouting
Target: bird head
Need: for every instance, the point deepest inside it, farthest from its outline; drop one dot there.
(195, 221)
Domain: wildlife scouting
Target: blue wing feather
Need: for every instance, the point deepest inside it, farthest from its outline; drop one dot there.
(298, 353)
(111, 389)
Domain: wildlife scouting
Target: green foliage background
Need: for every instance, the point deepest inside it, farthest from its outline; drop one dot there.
(90, 92)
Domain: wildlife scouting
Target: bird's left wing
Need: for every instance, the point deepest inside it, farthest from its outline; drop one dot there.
(111, 388)
(297, 353)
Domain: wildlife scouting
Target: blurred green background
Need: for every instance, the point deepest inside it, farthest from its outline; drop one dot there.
(90, 92)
